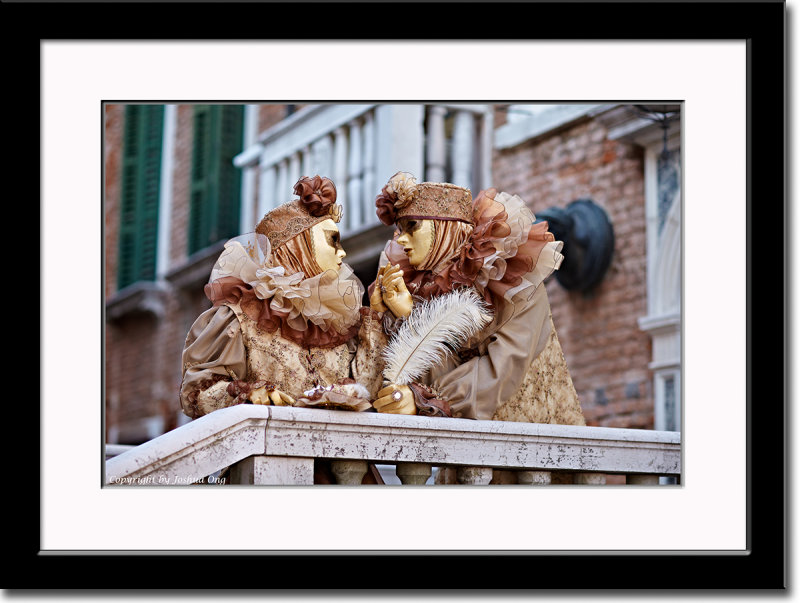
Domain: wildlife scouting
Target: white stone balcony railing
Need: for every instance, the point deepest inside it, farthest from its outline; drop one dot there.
(360, 146)
(267, 445)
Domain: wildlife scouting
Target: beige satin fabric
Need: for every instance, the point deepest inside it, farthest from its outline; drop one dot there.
(476, 388)
(213, 351)
(297, 255)
(224, 344)
(449, 238)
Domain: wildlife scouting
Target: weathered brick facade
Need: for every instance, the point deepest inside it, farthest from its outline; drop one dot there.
(606, 351)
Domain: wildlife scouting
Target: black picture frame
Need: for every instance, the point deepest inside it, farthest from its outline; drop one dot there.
(763, 567)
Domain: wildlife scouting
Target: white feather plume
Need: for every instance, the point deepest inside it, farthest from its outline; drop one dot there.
(435, 329)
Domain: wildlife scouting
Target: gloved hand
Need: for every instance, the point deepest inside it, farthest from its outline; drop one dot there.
(258, 392)
(395, 292)
(265, 395)
(395, 399)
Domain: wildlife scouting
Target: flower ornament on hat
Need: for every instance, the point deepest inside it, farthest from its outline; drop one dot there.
(398, 192)
(317, 202)
(318, 197)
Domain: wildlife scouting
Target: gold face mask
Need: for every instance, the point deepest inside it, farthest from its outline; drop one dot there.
(416, 238)
(328, 251)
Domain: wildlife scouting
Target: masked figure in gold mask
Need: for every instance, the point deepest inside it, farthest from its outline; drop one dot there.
(513, 369)
(287, 326)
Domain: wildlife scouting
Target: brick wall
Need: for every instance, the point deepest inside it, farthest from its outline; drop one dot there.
(112, 158)
(606, 351)
(181, 186)
(269, 115)
(143, 354)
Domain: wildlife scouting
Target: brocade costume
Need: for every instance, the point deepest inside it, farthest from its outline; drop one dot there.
(279, 321)
(514, 369)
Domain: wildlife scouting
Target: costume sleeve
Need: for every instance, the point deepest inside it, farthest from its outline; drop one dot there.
(476, 387)
(214, 355)
(367, 365)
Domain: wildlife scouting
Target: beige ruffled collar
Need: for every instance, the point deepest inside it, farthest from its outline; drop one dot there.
(317, 310)
(507, 254)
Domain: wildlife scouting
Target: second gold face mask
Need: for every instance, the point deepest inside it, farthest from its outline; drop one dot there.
(416, 238)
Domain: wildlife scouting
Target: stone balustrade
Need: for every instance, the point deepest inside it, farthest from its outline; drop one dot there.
(268, 445)
(361, 146)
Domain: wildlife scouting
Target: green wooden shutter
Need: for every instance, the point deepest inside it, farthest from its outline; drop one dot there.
(216, 182)
(140, 186)
(231, 137)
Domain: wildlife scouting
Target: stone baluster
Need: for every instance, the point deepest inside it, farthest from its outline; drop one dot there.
(355, 166)
(593, 479)
(483, 179)
(474, 476)
(349, 473)
(369, 185)
(307, 164)
(463, 148)
(339, 174)
(414, 474)
(534, 478)
(266, 191)
(282, 190)
(293, 174)
(322, 162)
(641, 479)
(436, 145)
(446, 475)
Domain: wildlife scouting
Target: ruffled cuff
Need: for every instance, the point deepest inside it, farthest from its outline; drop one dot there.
(428, 402)
(210, 395)
(346, 394)
(240, 390)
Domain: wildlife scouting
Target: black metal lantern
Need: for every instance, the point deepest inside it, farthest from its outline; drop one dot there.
(666, 165)
(663, 115)
(588, 237)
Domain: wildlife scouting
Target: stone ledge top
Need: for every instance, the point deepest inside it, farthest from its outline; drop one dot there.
(227, 436)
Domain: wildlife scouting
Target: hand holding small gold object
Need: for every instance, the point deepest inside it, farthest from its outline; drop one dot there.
(268, 394)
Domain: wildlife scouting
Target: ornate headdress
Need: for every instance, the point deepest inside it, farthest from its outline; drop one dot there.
(317, 202)
(322, 309)
(404, 197)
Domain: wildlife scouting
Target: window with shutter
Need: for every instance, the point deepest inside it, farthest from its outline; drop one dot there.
(216, 182)
(140, 185)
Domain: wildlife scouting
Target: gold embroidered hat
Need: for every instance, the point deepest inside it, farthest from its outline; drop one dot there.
(404, 197)
(317, 202)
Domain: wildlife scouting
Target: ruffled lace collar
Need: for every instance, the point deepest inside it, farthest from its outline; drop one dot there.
(506, 256)
(320, 311)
